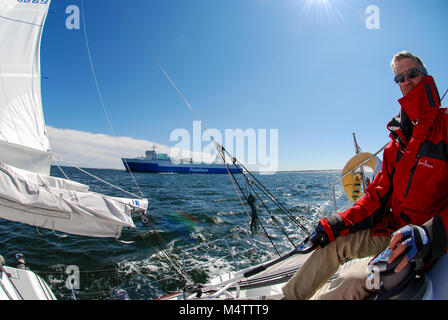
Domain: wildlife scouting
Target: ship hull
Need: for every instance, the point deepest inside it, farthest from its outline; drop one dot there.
(141, 165)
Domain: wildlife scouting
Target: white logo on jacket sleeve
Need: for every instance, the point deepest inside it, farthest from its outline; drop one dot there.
(426, 164)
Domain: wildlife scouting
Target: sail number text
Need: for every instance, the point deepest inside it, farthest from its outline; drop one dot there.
(34, 1)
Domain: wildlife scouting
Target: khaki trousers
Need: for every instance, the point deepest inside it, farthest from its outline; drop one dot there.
(325, 262)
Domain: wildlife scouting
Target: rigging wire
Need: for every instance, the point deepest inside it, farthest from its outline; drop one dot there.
(242, 203)
(145, 221)
(162, 246)
(165, 73)
(249, 185)
(100, 95)
(259, 185)
(60, 169)
(444, 95)
(98, 178)
(265, 191)
(275, 219)
(170, 260)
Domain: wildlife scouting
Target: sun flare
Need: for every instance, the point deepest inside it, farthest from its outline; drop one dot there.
(321, 11)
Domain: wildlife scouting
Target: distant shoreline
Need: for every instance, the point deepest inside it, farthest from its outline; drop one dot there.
(278, 171)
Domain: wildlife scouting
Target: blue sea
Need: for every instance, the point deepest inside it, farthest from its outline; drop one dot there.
(199, 221)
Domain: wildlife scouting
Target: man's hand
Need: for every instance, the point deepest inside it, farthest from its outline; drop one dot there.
(411, 240)
(319, 236)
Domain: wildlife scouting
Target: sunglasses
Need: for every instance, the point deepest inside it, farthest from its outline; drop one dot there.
(411, 74)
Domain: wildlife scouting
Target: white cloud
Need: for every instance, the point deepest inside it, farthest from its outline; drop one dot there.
(92, 150)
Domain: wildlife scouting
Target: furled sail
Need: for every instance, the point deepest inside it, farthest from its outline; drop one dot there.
(23, 139)
(59, 204)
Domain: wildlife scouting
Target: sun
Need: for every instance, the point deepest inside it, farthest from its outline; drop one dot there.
(319, 2)
(320, 11)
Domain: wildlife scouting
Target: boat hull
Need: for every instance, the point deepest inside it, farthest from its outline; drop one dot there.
(141, 165)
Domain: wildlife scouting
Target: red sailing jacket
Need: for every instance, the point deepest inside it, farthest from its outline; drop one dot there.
(412, 187)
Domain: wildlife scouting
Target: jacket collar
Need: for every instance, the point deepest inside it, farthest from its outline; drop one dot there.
(418, 107)
(421, 100)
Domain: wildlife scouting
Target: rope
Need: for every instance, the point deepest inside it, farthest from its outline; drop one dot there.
(187, 103)
(170, 80)
(57, 163)
(171, 261)
(71, 287)
(275, 220)
(267, 193)
(247, 213)
(100, 95)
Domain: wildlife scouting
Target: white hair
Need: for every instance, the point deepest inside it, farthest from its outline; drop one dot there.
(406, 54)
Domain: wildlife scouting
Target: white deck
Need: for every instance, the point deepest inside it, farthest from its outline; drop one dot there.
(18, 284)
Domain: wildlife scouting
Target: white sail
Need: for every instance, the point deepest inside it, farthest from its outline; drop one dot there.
(23, 139)
(27, 193)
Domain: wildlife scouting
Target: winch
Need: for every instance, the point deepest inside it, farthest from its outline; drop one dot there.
(408, 284)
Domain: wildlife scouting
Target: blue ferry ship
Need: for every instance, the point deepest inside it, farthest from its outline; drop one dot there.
(161, 162)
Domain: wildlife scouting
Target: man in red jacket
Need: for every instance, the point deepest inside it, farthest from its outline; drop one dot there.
(405, 207)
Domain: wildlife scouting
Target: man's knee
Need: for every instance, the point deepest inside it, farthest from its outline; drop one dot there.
(350, 284)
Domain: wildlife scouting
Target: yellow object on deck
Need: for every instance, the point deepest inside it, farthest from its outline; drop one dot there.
(352, 183)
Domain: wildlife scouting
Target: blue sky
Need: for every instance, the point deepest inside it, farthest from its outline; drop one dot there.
(311, 69)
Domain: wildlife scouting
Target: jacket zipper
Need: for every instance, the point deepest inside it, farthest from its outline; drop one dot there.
(410, 177)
